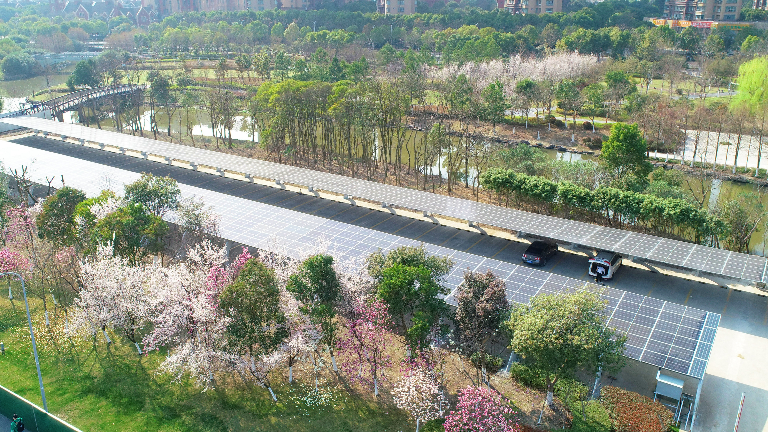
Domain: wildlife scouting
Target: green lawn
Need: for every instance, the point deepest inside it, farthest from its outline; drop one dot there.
(96, 387)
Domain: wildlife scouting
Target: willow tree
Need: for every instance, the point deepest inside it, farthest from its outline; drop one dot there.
(753, 96)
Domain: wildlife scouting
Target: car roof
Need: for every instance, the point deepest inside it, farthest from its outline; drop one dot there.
(607, 256)
(541, 243)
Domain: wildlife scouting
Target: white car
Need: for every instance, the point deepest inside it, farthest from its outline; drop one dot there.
(604, 264)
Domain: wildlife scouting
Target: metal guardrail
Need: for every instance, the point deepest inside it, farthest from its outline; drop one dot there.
(35, 418)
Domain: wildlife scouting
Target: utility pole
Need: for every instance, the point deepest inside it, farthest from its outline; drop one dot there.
(32, 334)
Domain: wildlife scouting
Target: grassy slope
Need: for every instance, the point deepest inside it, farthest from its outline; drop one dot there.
(112, 389)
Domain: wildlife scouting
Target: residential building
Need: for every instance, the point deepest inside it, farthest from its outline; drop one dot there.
(533, 6)
(396, 7)
(693, 10)
(760, 4)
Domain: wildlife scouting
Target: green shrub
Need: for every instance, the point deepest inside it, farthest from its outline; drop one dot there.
(435, 425)
(492, 363)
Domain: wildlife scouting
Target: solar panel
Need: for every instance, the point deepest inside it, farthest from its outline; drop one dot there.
(663, 334)
(653, 249)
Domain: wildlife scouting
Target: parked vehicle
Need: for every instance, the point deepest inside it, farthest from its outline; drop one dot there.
(539, 252)
(604, 265)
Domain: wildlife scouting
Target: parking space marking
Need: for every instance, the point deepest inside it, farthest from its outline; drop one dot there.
(584, 274)
(562, 257)
(383, 222)
(449, 238)
(412, 222)
(353, 222)
(730, 291)
(467, 249)
(429, 231)
(329, 204)
(505, 246)
(765, 319)
(688, 297)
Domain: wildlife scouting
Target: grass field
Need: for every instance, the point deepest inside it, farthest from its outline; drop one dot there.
(101, 387)
(111, 388)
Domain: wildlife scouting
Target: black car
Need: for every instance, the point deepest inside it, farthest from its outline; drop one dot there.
(539, 252)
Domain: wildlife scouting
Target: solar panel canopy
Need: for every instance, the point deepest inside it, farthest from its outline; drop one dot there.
(674, 253)
(667, 335)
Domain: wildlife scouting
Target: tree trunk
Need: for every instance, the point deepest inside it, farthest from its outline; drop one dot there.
(290, 374)
(274, 398)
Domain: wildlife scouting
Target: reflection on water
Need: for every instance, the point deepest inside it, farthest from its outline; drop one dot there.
(25, 88)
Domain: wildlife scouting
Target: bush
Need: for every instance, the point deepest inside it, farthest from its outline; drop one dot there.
(633, 412)
(587, 126)
(526, 376)
(435, 425)
(19, 65)
(595, 143)
(492, 362)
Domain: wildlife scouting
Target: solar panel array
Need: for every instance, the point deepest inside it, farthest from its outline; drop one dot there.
(669, 252)
(667, 335)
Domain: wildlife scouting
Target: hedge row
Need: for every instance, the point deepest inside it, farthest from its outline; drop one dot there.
(625, 207)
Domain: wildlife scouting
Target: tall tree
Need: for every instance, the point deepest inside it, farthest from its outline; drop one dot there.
(252, 303)
(481, 308)
(56, 221)
(624, 152)
(157, 194)
(562, 334)
(316, 285)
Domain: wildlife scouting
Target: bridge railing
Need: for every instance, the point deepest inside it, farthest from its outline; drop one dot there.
(63, 101)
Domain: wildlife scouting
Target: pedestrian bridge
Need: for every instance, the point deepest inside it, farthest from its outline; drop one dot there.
(55, 108)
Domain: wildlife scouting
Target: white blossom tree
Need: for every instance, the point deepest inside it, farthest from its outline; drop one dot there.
(420, 395)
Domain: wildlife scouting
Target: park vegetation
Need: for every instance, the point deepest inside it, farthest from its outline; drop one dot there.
(208, 319)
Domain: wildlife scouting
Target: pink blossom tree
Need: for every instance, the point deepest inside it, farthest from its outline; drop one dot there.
(363, 349)
(420, 395)
(480, 409)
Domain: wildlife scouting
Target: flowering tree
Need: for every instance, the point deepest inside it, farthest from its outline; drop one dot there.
(20, 236)
(185, 314)
(113, 294)
(421, 396)
(364, 348)
(303, 337)
(481, 305)
(12, 261)
(480, 409)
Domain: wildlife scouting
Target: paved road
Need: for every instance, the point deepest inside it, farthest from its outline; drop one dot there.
(737, 361)
(5, 423)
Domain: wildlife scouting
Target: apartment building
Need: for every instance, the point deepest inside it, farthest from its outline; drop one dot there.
(533, 6)
(760, 4)
(396, 7)
(693, 10)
